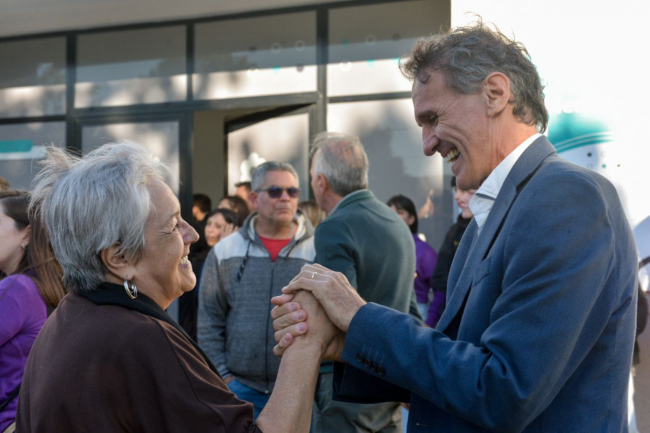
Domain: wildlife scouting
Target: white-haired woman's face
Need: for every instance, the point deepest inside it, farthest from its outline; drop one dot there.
(164, 272)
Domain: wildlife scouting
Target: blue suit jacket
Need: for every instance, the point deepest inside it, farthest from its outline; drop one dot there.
(539, 326)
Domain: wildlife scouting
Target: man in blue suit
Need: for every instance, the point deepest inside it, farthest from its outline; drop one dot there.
(539, 326)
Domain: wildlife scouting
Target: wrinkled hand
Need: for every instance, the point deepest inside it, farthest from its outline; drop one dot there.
(227, 230)
(332, 290)
(290, 321)
(322, 330)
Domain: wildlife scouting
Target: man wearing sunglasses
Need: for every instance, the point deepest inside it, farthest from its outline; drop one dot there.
(241, 274)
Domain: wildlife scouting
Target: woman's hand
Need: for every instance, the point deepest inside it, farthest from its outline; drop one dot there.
(290, 321)
(227, 230)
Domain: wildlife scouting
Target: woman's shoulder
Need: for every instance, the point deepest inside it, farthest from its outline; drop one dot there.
(18, 285)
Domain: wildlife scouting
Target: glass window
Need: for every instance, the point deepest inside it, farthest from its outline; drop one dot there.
(366, 42)
(22, 146)
(161, 139)
(398, 165)
(131, 67)
(32, 78)
(255, 56)
(249, 147)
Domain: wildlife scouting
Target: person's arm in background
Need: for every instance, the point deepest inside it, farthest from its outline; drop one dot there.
(440, 277)
(213, 312)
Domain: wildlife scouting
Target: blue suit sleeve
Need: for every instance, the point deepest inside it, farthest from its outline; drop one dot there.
(559, 285)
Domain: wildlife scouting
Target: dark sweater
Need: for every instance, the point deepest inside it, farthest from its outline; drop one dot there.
(108, 369)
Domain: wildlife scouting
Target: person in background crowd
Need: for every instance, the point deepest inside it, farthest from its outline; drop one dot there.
(188, 303)
(369, 244)
(314, 212)
(31, 287)
(425, 256)
(4, 185)
(244, 191)
(428, 208)
(110, 359)
(240, 275)
(447, 252)
(236, 204)
(221, 224)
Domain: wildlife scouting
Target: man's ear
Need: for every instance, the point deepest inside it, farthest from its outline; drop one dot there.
(322, 183)
(253, 196)
(496, 89)
(116, 263)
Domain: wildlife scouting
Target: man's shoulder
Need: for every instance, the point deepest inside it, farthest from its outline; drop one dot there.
(231, 246)
(557, 175)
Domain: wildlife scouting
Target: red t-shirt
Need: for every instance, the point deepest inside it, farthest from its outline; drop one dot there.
(274, 246)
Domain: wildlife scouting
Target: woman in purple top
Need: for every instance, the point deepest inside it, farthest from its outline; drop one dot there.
(31, 284)
(426, 256)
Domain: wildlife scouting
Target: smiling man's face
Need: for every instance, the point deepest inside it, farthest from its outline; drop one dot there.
(456, 126)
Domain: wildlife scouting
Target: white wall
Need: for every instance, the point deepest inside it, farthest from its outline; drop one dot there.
(593, 58)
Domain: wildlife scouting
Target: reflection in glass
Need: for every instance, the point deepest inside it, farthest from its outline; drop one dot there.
(22, 146)
(131, 67)
(393, 142)
(366, 43)
(255, 56)
(284, 139)
(32, 78)
(161, 139)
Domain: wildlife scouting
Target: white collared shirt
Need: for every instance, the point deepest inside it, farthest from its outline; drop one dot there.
(481, 203)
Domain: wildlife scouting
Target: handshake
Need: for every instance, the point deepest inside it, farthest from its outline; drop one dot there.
(317, 306)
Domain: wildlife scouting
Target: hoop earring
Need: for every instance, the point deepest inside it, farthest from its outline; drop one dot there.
(130, 289)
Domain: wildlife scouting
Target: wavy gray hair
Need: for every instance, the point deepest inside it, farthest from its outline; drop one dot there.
(259, 175)
(91, 203)
(342, 160)
(467, 55)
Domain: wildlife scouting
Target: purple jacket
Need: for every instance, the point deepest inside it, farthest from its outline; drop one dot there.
(426, 258)
(22, 315)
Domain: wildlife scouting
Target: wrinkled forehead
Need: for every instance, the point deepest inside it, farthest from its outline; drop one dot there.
(164, 203)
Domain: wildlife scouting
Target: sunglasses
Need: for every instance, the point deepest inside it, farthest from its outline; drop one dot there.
(276, 191)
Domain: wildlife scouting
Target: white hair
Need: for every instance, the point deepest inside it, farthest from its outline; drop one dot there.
(342, 160)
(89, 204)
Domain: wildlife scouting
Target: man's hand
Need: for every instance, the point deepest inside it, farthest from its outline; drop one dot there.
(332, 290)
(290, 321)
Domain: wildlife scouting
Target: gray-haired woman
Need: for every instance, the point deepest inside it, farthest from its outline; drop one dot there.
(110, 359)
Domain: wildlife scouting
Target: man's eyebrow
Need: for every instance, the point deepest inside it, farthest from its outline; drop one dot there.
(426, 114)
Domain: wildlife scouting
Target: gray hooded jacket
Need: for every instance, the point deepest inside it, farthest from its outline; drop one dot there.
(237, 282)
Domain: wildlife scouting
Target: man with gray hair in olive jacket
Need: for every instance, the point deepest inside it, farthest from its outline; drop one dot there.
(367, 242)
(241, 274)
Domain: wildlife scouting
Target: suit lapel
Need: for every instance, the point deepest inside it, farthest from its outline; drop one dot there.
(521, 172)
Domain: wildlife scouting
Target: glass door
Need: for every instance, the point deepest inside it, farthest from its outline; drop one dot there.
(282, 135)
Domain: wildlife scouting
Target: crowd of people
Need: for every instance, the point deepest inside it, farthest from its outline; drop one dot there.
(293, 313)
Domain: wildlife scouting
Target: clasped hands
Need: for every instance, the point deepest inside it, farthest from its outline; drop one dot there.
(318, 304)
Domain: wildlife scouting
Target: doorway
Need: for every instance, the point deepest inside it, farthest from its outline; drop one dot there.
(229, 144)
